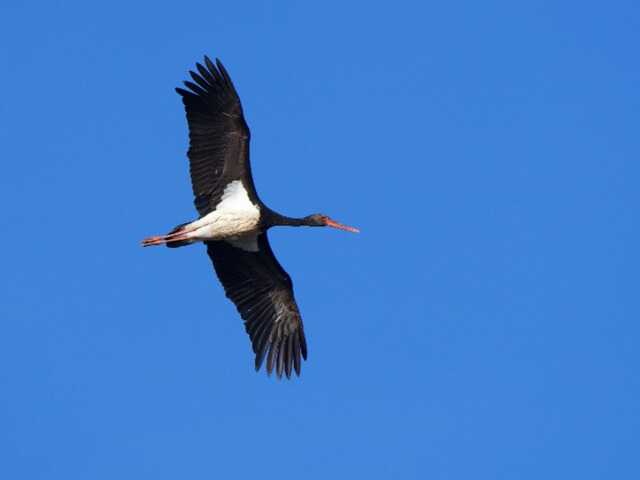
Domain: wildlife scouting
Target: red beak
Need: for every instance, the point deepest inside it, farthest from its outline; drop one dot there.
(339, 226)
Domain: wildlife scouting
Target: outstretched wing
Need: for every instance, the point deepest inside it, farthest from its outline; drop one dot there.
(263, 294)
(218, 135)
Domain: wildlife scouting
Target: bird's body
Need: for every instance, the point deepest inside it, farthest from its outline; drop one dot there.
(234, 216)
(233, 221)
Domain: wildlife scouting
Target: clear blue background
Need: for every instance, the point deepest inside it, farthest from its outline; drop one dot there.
(484, 324)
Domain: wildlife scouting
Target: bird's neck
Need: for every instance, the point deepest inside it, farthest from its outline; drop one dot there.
(273, 219)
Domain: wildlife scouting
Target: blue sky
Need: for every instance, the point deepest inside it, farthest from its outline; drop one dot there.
(484, 324)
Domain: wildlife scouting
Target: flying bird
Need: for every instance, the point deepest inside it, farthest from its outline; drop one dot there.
(233, 221)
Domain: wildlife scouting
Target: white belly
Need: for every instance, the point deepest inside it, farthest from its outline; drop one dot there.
(234, 216)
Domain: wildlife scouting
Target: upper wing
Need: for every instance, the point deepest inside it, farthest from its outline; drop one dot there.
(218, 134)
(263, 294)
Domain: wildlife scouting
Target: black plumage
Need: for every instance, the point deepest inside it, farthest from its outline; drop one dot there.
(218, 135)
(254, 281)
(242, 258)
(263, 293)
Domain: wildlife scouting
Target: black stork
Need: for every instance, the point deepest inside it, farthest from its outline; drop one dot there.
(233, 221)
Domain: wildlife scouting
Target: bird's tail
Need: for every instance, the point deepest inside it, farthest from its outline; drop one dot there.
(175, 238)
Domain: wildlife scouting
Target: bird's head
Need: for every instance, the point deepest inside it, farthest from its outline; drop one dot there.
(320, 220)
